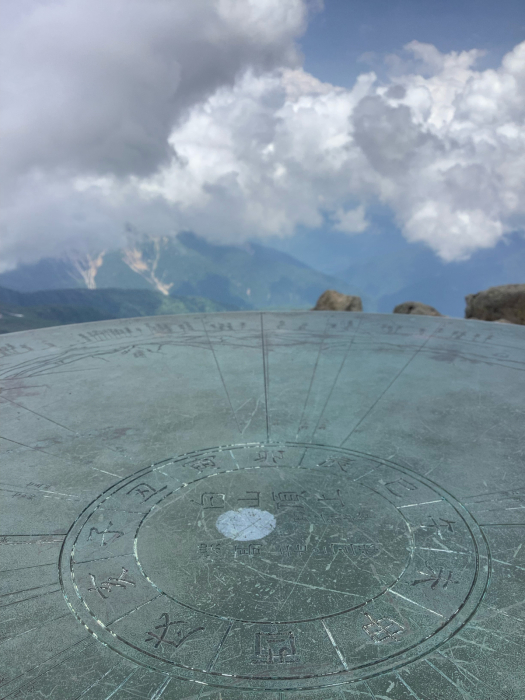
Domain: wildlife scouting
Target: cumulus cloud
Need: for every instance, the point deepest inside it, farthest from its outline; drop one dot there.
(197, 115)
(351, 221)
(445, 151)
(97, 85)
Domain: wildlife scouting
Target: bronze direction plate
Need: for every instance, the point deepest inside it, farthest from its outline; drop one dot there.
(278, 505)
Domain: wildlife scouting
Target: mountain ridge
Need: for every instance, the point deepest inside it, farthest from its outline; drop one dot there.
(248, 276)
(24, 311)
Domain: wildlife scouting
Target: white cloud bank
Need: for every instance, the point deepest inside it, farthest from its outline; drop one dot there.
(196, 115)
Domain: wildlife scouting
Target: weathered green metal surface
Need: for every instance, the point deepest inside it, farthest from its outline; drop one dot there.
(302, 506)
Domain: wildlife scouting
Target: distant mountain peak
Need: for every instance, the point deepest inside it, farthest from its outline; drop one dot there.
(245, 276)
(87, 266)
(137, 261)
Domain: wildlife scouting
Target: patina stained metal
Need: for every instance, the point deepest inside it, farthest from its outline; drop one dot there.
(313, 506)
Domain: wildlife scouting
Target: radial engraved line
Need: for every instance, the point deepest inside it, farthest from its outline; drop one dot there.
(218, 651)
(370, 690)
(86, 690)
(38, 534)
(37, 414)
(265, 372)
(35, 449)
(336, 379)
(161, 689)
(26, 590)
(444, 675)
(23, 568)
(388, 387)
(312, 377)
(40, 595)
(334, 644)
(122, 684)
(407, 686)
(501, 524)
(469, 676)
(220, 375)
(88, 643)
(32, 629)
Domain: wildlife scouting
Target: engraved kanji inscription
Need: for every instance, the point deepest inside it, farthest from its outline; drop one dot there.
(180, 633)
(145, 491)
(285, 499)
(269, 457)
(275, 648)
(107, 536)
(211, 500)
(437, 579)
(208, 550)
(249, 550)
(438, 525)
(288, 549)
(399, 487)
(356, 550)
(342, 463)
(332, 501)
(382, 630)
(105, 587)
(251, 501)
(201, 464)
(281, 609)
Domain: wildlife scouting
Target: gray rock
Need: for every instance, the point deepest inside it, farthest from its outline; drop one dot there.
(416, 307)
(335, 301)
(505, 303)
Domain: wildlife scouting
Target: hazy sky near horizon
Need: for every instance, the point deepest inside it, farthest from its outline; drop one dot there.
(250, 118)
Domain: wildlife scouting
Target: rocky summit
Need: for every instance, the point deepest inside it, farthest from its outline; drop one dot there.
(416, 307)
(335, 301)
(505, 303)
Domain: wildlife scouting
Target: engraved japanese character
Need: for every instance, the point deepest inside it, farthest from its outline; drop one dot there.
(368, 549)
(382, 630)
(338, 501)
(202, 464)
(253, 501)
(221, 326)
(145, 491)
(288, 549)
(275, 648)
(104, 588)
(287, 499)
(105, 538)
(211, 500)
(180, 635)
(247, 550)
(343, 463)
(209, 549)
(186, 326)
(345, 548)
(435, 524)
(397, 486)
(435, 578)
(270, 457)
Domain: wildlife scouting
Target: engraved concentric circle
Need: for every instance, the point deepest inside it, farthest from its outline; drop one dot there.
(333, 566)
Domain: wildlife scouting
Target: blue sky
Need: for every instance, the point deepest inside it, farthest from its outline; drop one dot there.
(346, 39)
(339, 37)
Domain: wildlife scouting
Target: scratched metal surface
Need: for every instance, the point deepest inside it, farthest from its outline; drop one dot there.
(313, 506)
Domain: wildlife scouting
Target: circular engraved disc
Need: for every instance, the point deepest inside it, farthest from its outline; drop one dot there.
(245, 524)
(302, 506)
(291, 551)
